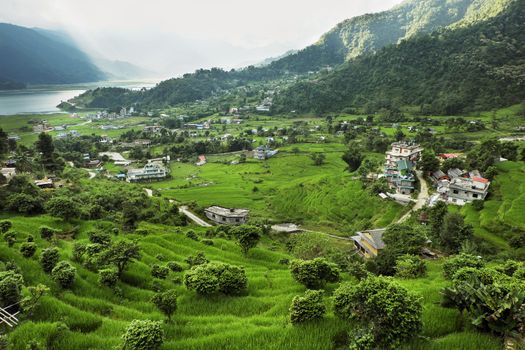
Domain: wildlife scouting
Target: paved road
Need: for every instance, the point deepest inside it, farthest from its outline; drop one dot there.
(184, 210)
(422, 197)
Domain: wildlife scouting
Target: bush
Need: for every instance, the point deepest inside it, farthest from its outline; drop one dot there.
(478, 204)
(314, 274)
(213, 278)
(47, 232)
(389, 311)
(28, 249)
(173, 266)
(143, 335)
(10, 238)
(98, 237)
(160, 257)
(308, 307)
(158, 271)
(108, 277)
(49, 258)
(207, 242)
(64, 274)
(5, 225)
(192, 235)
(410, 266)
(11, 284)
(456, 262)
(166, 302)
(78, 251)
(197, 259)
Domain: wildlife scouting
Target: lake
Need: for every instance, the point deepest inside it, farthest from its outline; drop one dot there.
(44, 99)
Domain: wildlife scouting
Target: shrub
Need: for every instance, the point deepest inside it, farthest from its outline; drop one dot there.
(108, 277)
(207, 242)
(158, 271)
(11, 284)
(10, 238)
(63, 207)
(142, 232)
(478, 205)
(28, 249)
(166, 302)
(456, 262)
(160, 257)
(247, 237)
(64, 274)
(192, 235)
(5, 225)
(49, 258)
(197, 259)
(314, 274)
(47, 232)
(78, 251)
(173, 266)
(389, 311)
(98, 237)
(307, 307)
(410, 266)
(143, 335)
(213, 278)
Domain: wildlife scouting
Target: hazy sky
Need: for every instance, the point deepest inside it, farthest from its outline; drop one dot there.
(173, 36)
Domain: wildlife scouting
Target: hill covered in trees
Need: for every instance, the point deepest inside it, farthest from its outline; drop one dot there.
(31, 56)
(352, 38)
(474, 67)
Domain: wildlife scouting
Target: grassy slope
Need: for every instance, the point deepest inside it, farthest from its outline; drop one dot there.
(97, 318)
(289, 188)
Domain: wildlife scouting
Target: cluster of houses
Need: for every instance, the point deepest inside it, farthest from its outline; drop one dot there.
(459, 186)
(400, 162)
(264, 152)
(265, 105)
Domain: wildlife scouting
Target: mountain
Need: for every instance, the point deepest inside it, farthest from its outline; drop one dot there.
(34, 57)
(462, 68)
(371, 32)
(122, 69)
(353, 38)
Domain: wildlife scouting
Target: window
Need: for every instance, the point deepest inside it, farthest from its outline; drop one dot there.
(475, 195)
(237, 220)
(223, 219)
(455, 191)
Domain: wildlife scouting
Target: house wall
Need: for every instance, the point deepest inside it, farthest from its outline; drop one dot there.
(224, 220)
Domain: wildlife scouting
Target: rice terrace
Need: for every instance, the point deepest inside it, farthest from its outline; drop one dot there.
(364, 192)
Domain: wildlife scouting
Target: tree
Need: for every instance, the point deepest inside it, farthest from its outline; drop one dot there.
(10, 238)
(44, 145)
(353, 157)
(173, 266)
(5, 225)
(158, 271)
(214, 278)
(30, 301)
(410, 266)
(457, 262)
(314, 274)
(454, 232)
(197, 259)
(63, 207)
(64, 274)
(121, 254)
(4, 145)
(49, 258)
(24, 203)
(389, 312)
(247, 237)
(28, 249)
(428, 163)
(451, 163)
(101, 238)
(47, 232)
(318, 158)
(436, 216)
(307, 307)
(143, 335)
(166, 302)
(11, 284)
(108, 277)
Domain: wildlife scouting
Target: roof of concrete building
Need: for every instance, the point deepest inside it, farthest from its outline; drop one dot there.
(228, 212)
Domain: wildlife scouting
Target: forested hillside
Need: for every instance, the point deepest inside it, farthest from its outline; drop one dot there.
(469, 68)
(351, 38)
(29, 56)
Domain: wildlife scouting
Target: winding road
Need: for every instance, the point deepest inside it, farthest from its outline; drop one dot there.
(184, 210)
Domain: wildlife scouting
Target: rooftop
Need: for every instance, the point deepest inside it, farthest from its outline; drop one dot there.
(228, 212)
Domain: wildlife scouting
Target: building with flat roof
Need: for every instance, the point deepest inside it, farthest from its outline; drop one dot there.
(227, 216)
(151, 171)
(462, 190)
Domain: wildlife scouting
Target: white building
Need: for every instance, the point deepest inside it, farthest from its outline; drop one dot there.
(462, 190)
(227, 216)
(151, 171)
